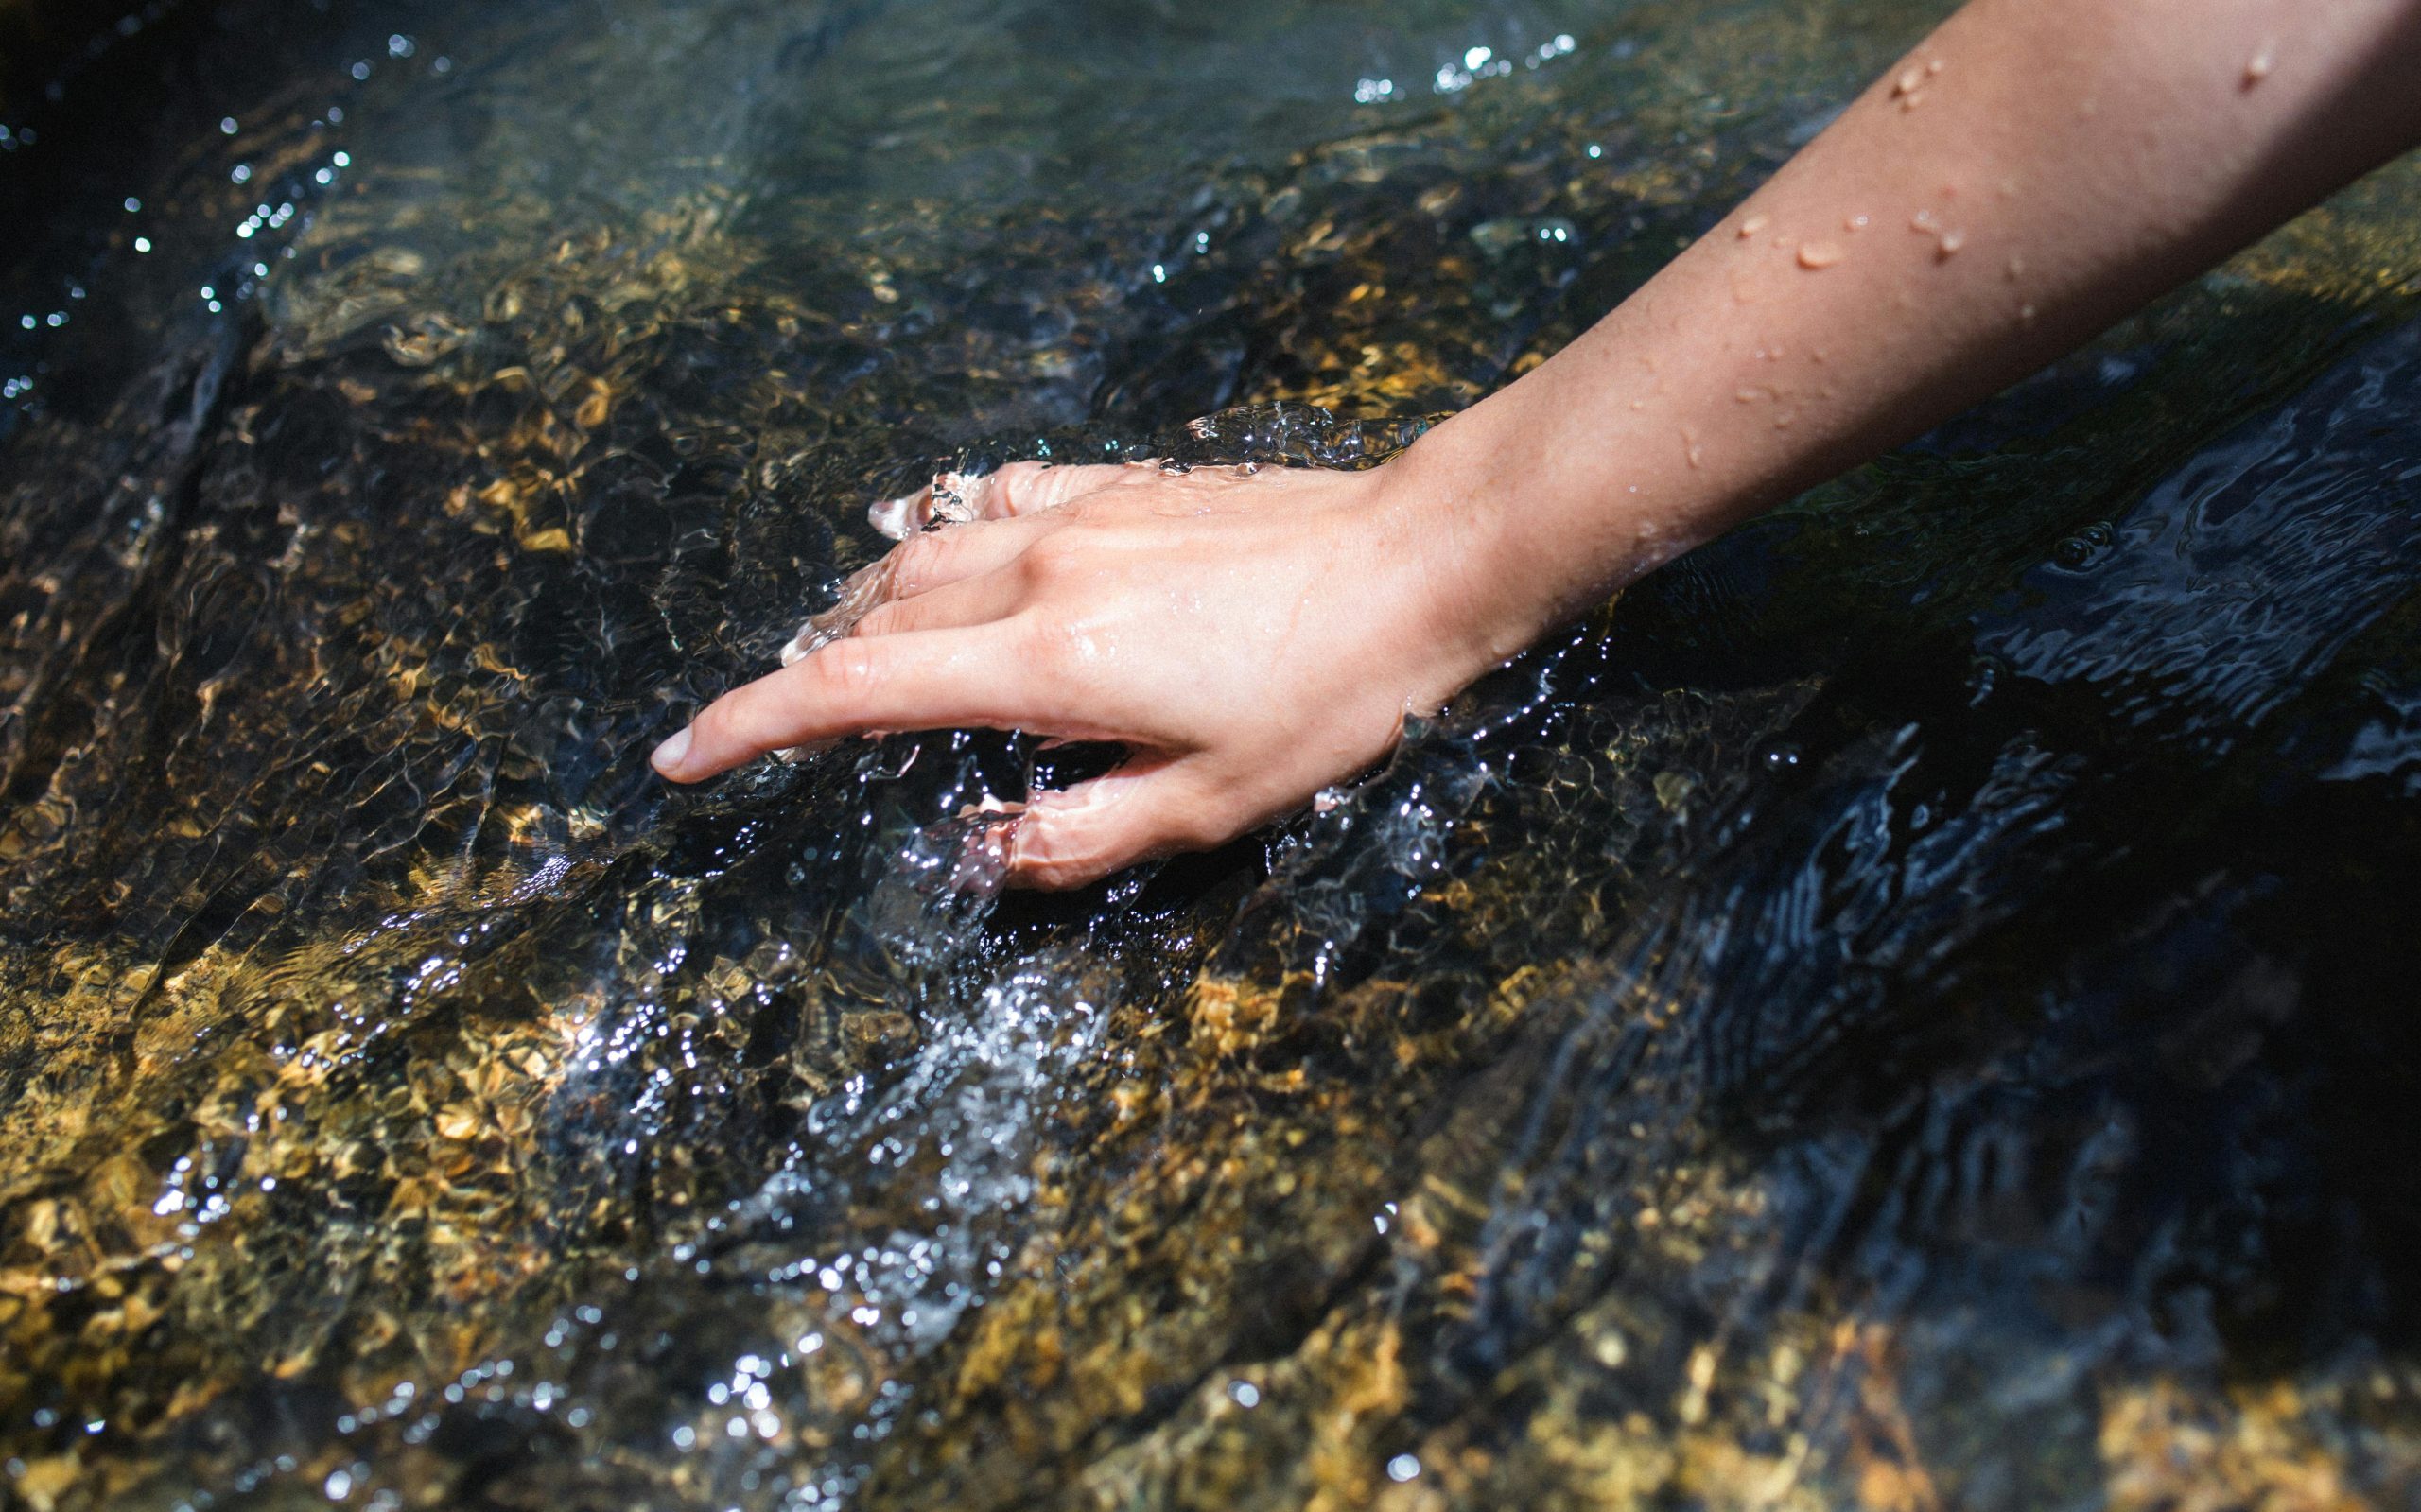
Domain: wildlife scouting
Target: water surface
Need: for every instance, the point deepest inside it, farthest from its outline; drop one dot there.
(1909, 1008)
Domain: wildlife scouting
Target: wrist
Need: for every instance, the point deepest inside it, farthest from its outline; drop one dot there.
(1590, 471)
(1485, 577)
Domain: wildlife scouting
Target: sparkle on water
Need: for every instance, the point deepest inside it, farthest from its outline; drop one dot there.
(1908, 1008)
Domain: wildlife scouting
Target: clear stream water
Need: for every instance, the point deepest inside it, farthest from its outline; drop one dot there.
(1910, 1008)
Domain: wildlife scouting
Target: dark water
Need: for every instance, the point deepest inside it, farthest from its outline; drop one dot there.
(1912, 1008)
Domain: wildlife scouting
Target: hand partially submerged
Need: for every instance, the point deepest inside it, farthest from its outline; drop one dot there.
(1249, 635)
(2032, 171)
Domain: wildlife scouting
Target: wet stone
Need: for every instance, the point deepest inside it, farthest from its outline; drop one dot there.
(1908, 1008)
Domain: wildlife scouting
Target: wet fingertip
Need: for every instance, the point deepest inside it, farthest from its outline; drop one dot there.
(1000, 841)
(1025, 867)
(670, 757)
(1044, 876)
(1010, 809)
(1040, 859)
(898, 518)
(801, 644)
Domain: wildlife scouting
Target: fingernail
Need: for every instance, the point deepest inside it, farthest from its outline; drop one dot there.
(895, 517)
(669, 756)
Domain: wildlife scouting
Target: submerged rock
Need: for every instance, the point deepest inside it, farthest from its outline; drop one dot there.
(1864, 1020)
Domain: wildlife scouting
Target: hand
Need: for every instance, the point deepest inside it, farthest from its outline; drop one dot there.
(1249, 636)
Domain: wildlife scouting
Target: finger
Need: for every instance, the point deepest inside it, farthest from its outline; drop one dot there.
(938, 680)
(861, 591)
(901, 518)
(935, 559)
(977, 601)
(1028, 488)
(1007, 492)
(1151, 807)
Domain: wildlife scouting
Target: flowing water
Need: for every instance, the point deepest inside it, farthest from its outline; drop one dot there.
(1910, 1008)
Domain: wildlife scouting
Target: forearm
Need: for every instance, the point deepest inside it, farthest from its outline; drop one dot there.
(2032, 172)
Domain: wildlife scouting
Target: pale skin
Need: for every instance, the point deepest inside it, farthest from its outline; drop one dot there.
(2031, 172)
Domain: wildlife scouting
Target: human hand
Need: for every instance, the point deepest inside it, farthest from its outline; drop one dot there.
(1249, 636)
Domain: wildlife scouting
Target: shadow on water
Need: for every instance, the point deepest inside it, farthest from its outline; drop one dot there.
(1909, 1007)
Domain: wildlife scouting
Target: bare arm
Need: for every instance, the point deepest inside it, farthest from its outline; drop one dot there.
(2033, 171)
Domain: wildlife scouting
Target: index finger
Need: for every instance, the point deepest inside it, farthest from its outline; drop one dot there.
(921, 679)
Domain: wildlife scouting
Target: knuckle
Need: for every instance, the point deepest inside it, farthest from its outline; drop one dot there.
(1015, 487)
(720, 727)
(846, 671)
(1199, 811)
(1050, 644)
(1191, 828)
(1052, 558)
(916, 560)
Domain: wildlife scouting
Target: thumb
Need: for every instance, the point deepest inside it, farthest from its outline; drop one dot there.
(1148, 807)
